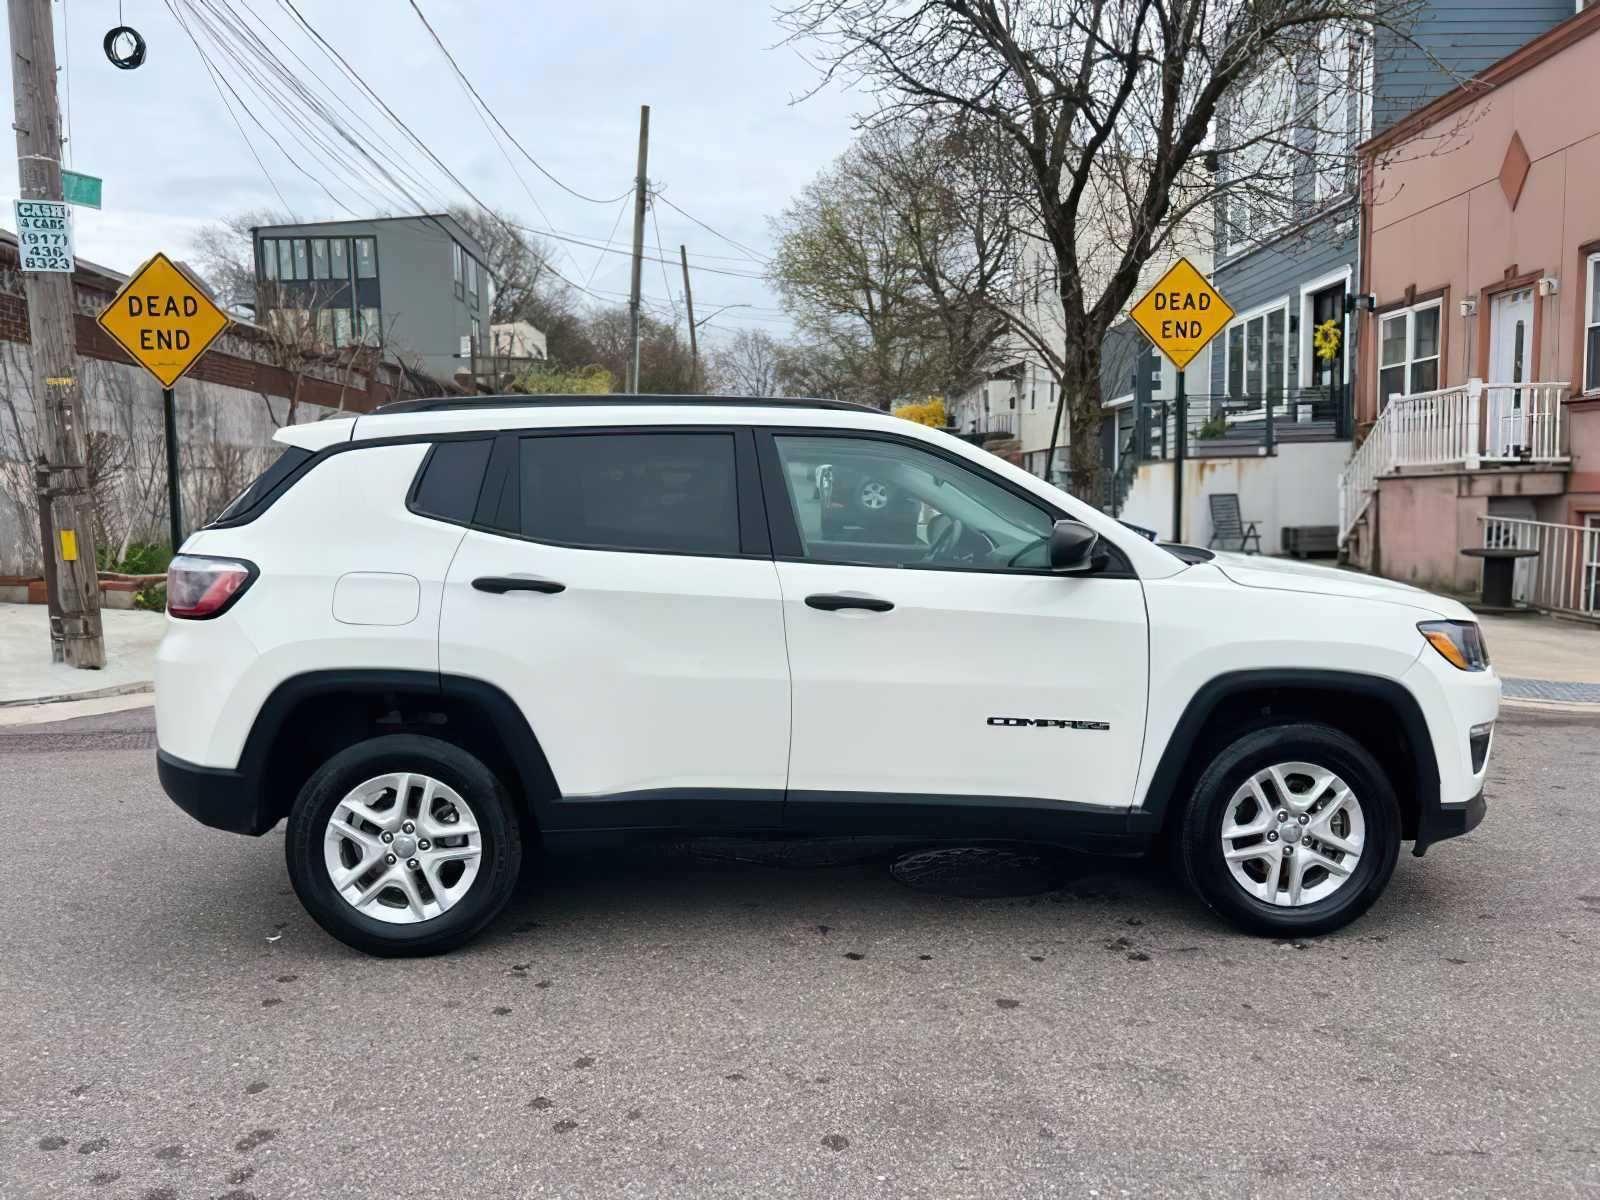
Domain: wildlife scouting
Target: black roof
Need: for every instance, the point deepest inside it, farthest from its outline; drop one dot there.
(451, 403)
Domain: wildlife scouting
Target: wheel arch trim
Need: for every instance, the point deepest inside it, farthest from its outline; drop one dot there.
(1175, 759)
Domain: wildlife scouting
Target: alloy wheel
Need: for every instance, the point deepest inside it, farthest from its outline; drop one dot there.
(402, 848)
(1292, 834)
(874, 495)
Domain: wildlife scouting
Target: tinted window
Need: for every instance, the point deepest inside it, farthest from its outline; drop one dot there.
(883, 503)
(632, 491)
(451, 479)
(282, 467)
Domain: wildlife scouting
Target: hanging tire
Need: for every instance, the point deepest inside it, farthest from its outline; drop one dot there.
(403, 845)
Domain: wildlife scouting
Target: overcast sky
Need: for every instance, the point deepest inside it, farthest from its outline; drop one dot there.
(727, 144)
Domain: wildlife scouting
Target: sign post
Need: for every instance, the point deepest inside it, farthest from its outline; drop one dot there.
(1180, 315)
(165, 321)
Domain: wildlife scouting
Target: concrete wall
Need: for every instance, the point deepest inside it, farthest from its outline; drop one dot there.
(1423, 523)
(1297, 486)
(224, 434)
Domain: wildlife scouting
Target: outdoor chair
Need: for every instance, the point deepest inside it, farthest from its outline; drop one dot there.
(1228, 528)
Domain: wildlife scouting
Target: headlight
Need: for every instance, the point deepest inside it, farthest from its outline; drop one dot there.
(1461, 643)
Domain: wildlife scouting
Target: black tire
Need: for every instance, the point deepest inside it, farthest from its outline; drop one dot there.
(497, 822)
(1199, 840)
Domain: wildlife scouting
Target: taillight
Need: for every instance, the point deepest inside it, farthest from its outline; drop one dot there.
(199, 587)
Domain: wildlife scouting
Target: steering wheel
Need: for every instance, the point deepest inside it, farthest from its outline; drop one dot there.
(949, 538)
(1013, 561)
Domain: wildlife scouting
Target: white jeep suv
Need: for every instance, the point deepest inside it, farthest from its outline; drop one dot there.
(450, 632)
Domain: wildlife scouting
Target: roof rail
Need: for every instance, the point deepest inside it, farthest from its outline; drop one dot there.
(452, 403)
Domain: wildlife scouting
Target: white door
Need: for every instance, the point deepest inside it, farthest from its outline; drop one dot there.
(933, 656)
(627, 614)
(1510, 348)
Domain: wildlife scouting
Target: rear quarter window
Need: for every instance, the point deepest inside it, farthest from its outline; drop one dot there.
(285, 465)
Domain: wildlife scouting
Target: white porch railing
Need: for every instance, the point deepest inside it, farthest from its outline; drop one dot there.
(1470, 425)
(1565, 576)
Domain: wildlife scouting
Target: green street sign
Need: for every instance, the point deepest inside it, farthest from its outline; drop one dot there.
(82, 190)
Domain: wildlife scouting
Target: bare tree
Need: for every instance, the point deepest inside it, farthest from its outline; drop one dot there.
(748, 364)
(1111, 107)
(224, 256)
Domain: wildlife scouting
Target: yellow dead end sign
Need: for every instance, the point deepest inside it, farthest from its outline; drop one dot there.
(163, 319)
(1182, 313)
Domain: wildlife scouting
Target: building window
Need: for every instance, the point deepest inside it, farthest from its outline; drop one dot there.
(366, 258)
(302, 267)
(371, 327)
(1257, 354)
(1408, 351)
(285, 259)
(325, 331)
(456, 268)
(342, 327)
(477, 336)
(472, 281)
(269, 259)
(1591, 326)
(319, 258)
(339, 260)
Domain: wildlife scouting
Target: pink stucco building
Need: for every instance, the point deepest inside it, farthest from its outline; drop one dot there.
(1479, 398)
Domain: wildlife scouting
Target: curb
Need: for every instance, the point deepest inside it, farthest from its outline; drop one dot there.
(121, 689)
(1549, 707)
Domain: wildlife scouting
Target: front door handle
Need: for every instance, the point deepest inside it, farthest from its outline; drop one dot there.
(834, 601)
(499, 585)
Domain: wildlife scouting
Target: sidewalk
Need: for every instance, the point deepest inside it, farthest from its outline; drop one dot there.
(1545, 659)
(27, 676)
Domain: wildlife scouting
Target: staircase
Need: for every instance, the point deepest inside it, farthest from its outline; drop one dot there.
(1467, 427)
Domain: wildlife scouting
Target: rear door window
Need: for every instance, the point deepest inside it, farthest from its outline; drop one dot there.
(451, 479)
(664, 492)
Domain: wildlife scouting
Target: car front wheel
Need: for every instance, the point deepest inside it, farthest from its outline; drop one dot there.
(1292, 830)
(403, 845)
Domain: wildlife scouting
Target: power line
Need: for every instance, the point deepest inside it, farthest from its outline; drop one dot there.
(610, 237)
(661, 258)
(736, 245)
(592, 245)
(461, 75)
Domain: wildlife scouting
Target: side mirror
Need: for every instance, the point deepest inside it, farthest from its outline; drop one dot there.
(1072, 547)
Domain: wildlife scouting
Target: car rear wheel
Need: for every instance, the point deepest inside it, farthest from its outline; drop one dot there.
(403, 845)
(1292, 830)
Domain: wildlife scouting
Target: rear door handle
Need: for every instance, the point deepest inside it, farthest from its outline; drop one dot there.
(834, 601)
(499, 585)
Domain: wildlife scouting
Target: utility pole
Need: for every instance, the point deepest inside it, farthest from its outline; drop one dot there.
(640, 192)
(58, 394)
(694, 342)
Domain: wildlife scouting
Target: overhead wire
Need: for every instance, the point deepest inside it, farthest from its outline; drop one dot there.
(217, 83)
(714, 232)
(462, 76)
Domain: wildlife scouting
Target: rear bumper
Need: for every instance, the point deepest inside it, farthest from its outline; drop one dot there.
(1448, 821)
(216, 796)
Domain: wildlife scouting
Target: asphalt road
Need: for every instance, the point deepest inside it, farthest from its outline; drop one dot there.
(172, 1025)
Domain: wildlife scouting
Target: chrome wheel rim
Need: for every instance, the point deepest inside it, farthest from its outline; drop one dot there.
(874, 495)
(1293, 834)
(402, 848)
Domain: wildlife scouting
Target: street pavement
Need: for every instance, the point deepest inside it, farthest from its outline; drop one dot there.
(716, 1023)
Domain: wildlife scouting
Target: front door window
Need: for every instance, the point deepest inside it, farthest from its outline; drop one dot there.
(878, 502)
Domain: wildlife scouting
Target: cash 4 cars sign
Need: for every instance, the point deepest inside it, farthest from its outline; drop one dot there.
(163, 319)
(44, 235)
(1182, 313)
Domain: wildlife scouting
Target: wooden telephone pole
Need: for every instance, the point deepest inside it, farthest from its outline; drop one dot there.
(694, 341)
(641, 185)
(57, 390)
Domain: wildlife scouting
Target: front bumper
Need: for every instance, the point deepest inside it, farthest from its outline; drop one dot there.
(216, 796)
(1447, 821)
